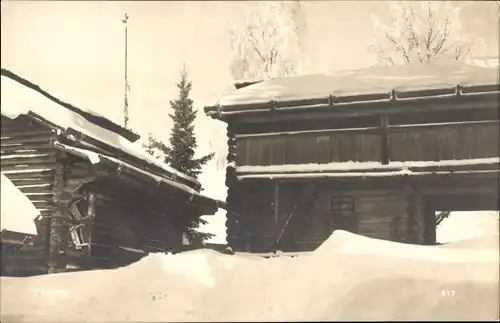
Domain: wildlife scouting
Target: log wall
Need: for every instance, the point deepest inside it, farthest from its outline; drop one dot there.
(127, 221)
(388, 214)
(29, 161)
(91, 217)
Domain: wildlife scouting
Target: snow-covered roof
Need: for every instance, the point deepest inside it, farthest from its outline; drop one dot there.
(88, 114)
(18, 213)
(18, 99)
(350, 85)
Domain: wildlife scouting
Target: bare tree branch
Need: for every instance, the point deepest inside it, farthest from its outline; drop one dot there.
(422, 32)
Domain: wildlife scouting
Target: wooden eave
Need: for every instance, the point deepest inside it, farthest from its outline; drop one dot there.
(394, 102)
(144, 180)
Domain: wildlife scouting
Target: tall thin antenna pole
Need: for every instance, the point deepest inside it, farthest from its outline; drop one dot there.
(124, 20)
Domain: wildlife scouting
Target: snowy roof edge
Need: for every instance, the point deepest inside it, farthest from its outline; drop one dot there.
(270, 95)
(90, 116)
(96, 158)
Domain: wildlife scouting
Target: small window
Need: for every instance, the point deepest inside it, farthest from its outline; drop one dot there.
(342, 205)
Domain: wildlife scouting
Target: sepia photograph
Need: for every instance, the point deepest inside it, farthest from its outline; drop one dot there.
(249, 161)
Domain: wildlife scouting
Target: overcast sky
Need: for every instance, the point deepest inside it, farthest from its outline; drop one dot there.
(75, 50)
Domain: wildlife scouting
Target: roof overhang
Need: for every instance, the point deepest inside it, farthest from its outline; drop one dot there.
(114, 166)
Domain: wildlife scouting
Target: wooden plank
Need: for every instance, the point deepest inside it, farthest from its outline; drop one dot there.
(35, 175)
(22, 133)
(345, 152)
(265, 151)
(371, 148)
(44, 138)
(323, 149)
(23, 147)
(448, 143)
(253, 155)
(291, 152)
(36, 189)
(398, 146)
(462, 149)
(45, 159)
(278, 155)
(305, 149)
(334, 148)
(485, 141)
(39, 196)
(39, 167)
(21, 153)
(384, 136)
(46, 204)
(30, 181)
(241, 156)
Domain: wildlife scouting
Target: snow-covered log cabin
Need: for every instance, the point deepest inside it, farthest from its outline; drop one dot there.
(374, 151)
(103, 200)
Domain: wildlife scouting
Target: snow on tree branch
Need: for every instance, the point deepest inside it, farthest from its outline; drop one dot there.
(420, 32)
(268, 43)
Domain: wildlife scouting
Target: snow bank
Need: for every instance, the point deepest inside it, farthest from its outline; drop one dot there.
(491, 242)
(17, 211)
(348, 278)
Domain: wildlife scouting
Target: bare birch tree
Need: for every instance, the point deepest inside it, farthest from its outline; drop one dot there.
(420, 32)
(268, 42)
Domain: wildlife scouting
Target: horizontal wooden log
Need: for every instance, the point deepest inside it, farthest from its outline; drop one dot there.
(26, 160)
(41, 147)
(44, 138)
(44, 188)
(30, 181)
(40, 167)
(21, 153)
(23, 133)
(39, 196)
(42, 174)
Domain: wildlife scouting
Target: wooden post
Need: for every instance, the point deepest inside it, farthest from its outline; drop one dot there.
(55, 235)
(414, 213)
(429, 224)
(91, 212)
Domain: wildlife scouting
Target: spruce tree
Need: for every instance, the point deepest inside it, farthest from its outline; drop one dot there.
(180, 154)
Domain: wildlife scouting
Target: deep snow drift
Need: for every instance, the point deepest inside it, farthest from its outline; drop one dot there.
(348, 278)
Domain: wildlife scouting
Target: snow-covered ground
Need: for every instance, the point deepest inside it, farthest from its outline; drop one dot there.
(17, 211)
(348, 278)
(468, 224)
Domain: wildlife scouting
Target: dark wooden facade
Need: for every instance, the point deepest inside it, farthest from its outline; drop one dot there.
(101, 206)
(377, 165)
